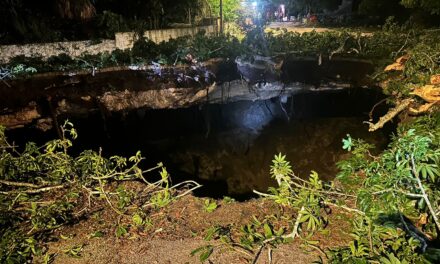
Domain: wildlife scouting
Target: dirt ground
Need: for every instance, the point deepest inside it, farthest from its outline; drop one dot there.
(180, 228)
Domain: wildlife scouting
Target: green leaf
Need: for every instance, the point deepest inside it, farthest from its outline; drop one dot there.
(267, 231)
(121, 231)
(96, 234)
(280, 232)
(347, 143)
(206, 254)
(197, 250)
(137, 220)
(304, 217)
(210, 206)
(211, 232)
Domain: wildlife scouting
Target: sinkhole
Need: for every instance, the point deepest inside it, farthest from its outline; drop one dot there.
(228, 148)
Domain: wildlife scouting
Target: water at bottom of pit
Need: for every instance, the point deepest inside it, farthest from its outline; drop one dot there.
(229, 148)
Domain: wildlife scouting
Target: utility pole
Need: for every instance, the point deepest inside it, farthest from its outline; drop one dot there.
(221, 16)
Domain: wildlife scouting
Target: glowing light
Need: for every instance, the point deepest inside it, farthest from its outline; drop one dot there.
(254, 4)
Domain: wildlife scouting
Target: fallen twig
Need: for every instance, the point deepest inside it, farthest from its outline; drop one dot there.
(19, 184)
(346, 208)
(101, 185)
(35, 191)
(289, 236)
(374, 107)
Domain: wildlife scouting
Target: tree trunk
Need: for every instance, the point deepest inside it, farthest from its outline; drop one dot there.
(189, 16)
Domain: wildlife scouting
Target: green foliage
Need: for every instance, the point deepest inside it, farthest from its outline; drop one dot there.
(257, 232)
(124, 197)
(137, 220)
(144, 49)
(380, 46)
(144, 52)
(16, 71)
(42, 185)
(431, 6)
(210, 205)
(307, 196)
(121, 231)
(379, 8)
(349, 168)
(422, 54)
(74, 251)
(228, 200)
(204, 251)
(392, 190)
(387, 181)
(22, 69)
(109, 23)
(250, 237)
(163, 197)
(230, 9)
(96, 234)
(377, 46)
(380, 242)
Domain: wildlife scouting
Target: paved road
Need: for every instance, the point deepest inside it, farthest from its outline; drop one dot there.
(299, 28)
(296, 26)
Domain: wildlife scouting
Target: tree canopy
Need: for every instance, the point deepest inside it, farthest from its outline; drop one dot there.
(230, 8)
(432, 6)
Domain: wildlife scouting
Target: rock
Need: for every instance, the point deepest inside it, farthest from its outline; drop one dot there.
(21, 117)
(44, 124)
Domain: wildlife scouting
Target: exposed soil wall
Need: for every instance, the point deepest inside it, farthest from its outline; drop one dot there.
(45, 96)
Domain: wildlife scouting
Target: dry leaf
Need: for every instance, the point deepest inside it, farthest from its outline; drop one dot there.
(423, 219)
(429, 93)
(422, 109)
(399, 65)
(435, 79)
(395, 67)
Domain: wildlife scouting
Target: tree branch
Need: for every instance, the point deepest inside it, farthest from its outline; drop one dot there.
(35, 191)
(425, 196)
(390, 115)
(346, 208)
(291, 235)
(19, 184)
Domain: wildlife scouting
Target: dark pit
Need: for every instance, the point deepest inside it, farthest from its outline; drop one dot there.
(229, 147)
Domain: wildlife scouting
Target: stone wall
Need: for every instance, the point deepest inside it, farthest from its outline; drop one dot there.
(77, 48)
(46, 50)
(126, 40)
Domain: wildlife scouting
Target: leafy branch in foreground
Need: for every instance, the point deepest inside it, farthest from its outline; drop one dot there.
(43, 188)
(398, 193)
(394, 198)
